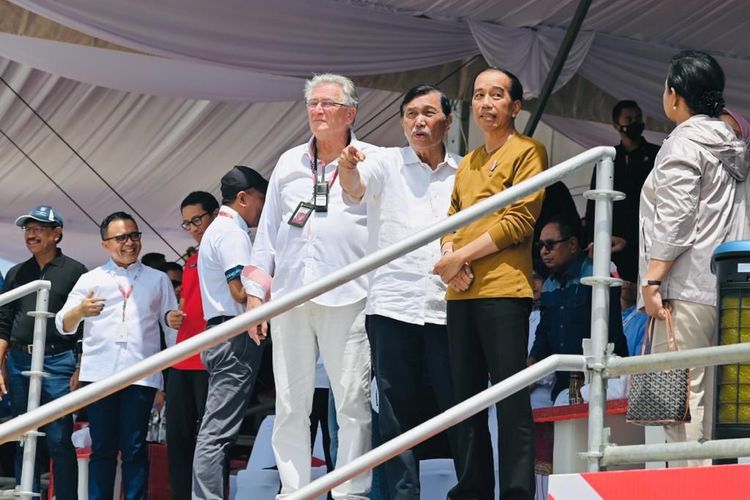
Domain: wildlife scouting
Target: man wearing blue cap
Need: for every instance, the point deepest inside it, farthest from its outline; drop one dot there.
(43, 231)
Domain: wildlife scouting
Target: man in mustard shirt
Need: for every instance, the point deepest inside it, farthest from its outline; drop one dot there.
(488, 316)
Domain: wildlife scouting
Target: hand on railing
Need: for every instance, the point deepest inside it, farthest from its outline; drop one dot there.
(257, 332)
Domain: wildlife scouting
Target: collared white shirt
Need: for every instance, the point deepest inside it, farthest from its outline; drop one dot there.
(296, 256)
(403, 196)
(225, 251)
(105, 352)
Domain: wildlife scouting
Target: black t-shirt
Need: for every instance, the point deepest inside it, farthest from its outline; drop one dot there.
(631, 170)
(15, 324)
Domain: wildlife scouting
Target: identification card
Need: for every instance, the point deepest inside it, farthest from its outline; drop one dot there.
(321, 196)
(121, 334)
(301, 214)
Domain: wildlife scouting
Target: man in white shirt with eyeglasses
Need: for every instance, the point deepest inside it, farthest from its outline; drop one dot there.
(307, 232)
(121, 305)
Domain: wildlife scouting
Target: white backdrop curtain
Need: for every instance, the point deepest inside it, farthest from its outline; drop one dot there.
(153, 150)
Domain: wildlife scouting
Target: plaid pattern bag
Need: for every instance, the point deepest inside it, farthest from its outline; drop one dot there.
(659, 398)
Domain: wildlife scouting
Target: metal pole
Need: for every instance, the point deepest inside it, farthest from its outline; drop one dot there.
(690, 450)
(557, 66)
(93, 392)
(439, 423)
(35, 375)
(600, 308)
(703, 356)
(23, 291)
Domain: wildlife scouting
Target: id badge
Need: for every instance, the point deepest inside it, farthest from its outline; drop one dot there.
(121, 334)
(301, 214)
(321, 196)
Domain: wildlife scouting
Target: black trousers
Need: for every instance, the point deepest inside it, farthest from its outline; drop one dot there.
(186, 402)
(406, 357)
(490, 336)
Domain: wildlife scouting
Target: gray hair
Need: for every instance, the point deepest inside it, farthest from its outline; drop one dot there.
(348, 89)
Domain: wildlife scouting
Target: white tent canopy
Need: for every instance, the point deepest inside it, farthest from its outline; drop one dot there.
(197, 86)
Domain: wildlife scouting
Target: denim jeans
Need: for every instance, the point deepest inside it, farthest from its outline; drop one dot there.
(60, 368)
(119, 423)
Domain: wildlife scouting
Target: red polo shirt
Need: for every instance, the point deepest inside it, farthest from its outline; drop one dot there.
(193, 323)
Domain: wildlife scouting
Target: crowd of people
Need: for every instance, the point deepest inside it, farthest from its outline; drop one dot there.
(453, 315)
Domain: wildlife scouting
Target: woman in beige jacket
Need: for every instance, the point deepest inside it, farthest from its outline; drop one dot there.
(687, 208)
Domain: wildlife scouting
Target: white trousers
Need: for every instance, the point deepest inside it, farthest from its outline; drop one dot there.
(338, 335)
(695, 326)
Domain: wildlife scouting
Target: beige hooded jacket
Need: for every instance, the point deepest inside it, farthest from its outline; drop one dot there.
(693, 201)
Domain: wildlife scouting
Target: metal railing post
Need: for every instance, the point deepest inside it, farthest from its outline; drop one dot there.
(35, 374)
(600, 282)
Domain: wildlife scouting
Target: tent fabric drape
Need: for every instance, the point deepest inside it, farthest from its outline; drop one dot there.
(153, 150)
(529, 53)
(212, 84)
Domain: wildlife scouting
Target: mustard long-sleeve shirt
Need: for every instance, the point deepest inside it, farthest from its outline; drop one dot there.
(507, 272)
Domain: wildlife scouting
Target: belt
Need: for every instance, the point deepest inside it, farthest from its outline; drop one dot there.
(217, 320)
(48, 348)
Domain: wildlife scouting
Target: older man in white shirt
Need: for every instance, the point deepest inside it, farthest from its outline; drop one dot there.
(121, 304)
(305, 233)
(406, 190)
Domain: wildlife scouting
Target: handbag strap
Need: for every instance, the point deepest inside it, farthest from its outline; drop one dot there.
(649, 337)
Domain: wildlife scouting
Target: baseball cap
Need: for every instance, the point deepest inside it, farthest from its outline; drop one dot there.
(41, 213)
(241, 178)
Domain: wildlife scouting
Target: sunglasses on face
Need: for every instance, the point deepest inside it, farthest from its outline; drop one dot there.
(122, 238)
(549, 245)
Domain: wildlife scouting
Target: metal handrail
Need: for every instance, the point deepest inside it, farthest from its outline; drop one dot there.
(161, 360)
(35, 374)
(437, 424)
(23, 290)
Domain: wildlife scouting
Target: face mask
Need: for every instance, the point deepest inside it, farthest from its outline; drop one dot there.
(633, 130)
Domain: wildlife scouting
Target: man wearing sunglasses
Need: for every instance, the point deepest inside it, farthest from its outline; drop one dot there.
(43, 231)
(187, 384)
(121, 305)
(565, 308)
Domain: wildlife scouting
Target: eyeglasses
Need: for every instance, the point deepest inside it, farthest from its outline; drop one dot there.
(325, 103)
(122, 238)
(35, 229)
(196, 221)
(549, 245)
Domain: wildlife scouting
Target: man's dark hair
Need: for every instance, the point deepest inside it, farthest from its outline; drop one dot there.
(699, 79)
(171, 266)
(154, 260)
(202, 198)
(104, 226)
(516, 89)
(568, 228)
(626, 104)
(425, 89)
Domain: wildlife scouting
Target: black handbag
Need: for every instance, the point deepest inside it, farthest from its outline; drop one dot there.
(662, 397)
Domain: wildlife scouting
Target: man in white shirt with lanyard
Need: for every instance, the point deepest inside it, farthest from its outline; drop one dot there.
(406, 190)
(121, 304)
(232, 365)
(307, 232)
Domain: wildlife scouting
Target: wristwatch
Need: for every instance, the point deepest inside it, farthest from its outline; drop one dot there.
(653, 283)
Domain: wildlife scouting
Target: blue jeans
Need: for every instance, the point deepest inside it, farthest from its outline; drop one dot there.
(119, 423)
(60, 368)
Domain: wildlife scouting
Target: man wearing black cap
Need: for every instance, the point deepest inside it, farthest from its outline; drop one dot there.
(232, 365)
(43, 231)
